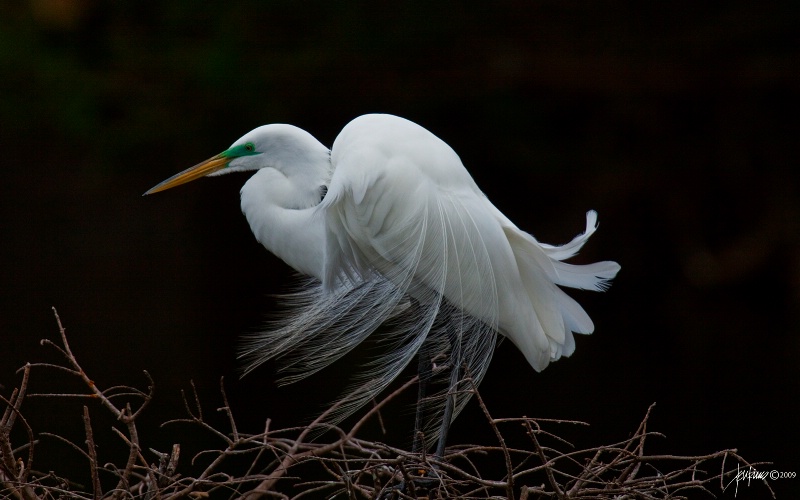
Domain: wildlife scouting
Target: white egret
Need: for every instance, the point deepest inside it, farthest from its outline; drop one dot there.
(395, 232)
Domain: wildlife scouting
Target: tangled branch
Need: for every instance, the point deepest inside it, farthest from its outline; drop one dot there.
(285, 463)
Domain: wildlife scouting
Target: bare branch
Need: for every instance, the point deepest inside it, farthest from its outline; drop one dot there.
(287, 463)
(506, 455)
(92, 454)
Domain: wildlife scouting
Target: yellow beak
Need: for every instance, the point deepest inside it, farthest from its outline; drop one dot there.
(201, 169)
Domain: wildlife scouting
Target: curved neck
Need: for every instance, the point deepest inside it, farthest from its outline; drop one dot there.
(281, 215)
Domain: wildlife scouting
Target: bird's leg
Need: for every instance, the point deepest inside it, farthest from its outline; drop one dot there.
(424, 371)
(425, 479)
(449, 404)
(450, 397)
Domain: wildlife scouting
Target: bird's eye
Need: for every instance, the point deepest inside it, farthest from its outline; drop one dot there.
(249, 147)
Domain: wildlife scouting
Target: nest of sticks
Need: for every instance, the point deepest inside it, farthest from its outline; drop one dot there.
(287, 463)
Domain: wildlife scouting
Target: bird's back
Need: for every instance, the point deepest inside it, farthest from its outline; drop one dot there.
(401, 202)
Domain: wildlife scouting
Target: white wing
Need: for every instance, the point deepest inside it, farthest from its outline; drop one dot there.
(401, 202)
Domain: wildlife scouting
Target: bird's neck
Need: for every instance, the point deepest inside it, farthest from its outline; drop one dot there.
(281, 215)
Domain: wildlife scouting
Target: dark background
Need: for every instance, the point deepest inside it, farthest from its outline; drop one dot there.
(677, 121)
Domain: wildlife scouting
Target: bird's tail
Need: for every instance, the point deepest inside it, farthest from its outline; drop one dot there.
(542, 271)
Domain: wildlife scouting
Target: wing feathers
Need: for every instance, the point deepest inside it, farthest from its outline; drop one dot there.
(558, 315)
(595, 276)
(562, 252)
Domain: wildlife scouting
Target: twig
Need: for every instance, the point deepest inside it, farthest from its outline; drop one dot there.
(227, 410)
(13, 474)
(259, 465)
(506, 455)
(545, 461)
(294, 455)
(92, 452)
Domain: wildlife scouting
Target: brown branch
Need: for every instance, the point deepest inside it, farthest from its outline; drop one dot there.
(259, 465)
(543, 458)
(92, 453)
(294, 456)
(506, 455)
(13, 473)
(227, 410)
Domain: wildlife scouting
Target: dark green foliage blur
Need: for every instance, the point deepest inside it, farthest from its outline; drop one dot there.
(117, 78)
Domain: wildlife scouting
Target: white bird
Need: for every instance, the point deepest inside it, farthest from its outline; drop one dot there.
(395, 233)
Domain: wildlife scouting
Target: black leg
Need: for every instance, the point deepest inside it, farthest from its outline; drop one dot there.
(424, 370)
(449, 404)
(450, 398)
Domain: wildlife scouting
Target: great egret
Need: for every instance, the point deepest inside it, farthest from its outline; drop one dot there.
(395, 232)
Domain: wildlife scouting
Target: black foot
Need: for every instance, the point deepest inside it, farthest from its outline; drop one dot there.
(421, 481)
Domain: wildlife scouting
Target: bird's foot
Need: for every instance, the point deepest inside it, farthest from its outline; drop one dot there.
(419, 482)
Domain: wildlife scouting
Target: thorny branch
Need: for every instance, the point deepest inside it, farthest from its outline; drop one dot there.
(285, 463)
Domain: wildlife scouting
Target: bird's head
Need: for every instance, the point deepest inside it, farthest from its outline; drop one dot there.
(291, 150)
